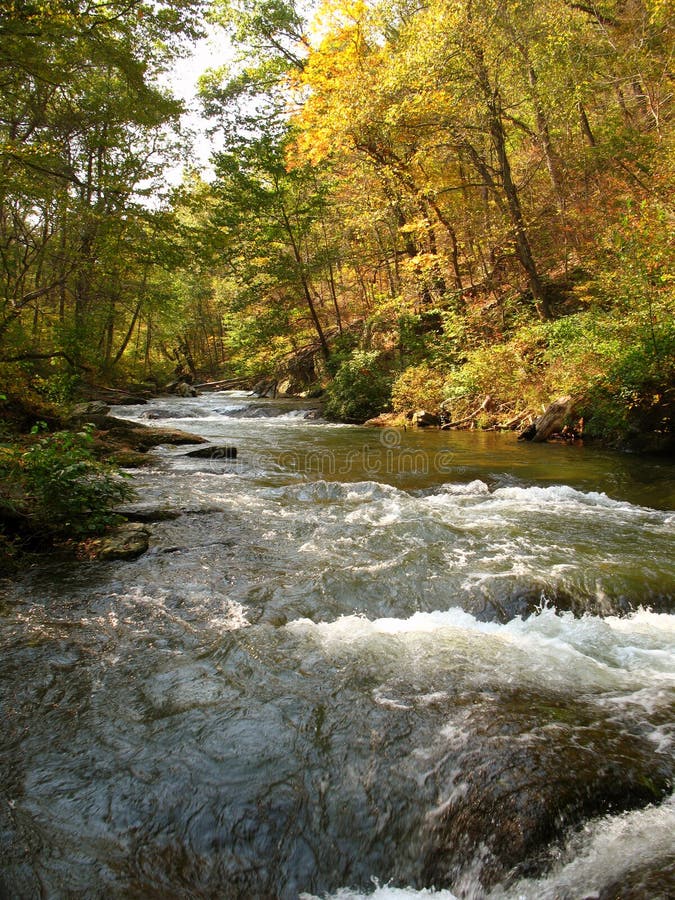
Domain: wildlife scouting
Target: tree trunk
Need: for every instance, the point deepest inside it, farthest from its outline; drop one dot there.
(325, 349)
(130, 331)
(452, 234)
(585, 125)
(523, 247)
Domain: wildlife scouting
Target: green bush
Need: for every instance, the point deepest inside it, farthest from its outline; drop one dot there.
(418, 387)
(58, 388)
(501, 371)
(57, 485)
(361, 388)
(630, 393)
(341, 351)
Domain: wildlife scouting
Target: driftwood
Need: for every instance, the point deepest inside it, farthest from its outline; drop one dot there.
(99, 392)
(551, 422)
(108, 390)
(486, 406)
(516, 422)
(223, 384)
(553, 419)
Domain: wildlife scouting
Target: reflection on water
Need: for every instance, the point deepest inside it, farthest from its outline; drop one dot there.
(419, 658)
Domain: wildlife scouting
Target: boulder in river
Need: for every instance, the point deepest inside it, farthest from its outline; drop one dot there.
(533, 768)
(148, 512)
(423, 419)
(385, 420)
(214, 452)
(183, 389)
(158, 414)
(129, 459)
(126, 541)
(136, 436)
(82, 412)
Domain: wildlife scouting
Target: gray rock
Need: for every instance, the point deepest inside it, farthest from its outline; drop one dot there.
(126, 541)
(423, 419)
(148, 512)
(136, 436)
(82, 412)
(213, 452)
(158, 414)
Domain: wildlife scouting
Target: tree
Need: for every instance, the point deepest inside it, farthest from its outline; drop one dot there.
(82, 142)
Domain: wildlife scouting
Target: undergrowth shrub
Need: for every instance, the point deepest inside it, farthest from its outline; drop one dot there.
(361, 388)
(418, 387)
(636, 389)
(501, 371)
(56, 485)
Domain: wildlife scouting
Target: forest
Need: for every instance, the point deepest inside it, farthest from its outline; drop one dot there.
(434, 205)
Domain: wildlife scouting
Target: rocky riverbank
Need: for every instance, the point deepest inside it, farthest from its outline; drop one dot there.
(59, 484)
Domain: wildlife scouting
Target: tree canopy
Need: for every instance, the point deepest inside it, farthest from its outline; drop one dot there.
(444, 184)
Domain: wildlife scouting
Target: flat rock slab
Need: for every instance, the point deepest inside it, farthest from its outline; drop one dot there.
(214, 452)
(124, 435)
(129, 459)
(126, 541)
(140, 438)
(148, 512)
(135, 435)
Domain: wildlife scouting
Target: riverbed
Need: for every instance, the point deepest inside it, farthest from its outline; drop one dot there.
(354, 663)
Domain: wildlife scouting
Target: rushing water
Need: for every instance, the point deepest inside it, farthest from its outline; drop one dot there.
(357, 664)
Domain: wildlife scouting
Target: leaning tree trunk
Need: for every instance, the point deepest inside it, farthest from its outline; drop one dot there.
(305, 286)
(523, 247)
(498, 138)
(551, 422)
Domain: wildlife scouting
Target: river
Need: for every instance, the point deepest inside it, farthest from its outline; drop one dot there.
(355, 663)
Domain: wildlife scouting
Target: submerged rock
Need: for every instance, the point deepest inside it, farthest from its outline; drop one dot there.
(126, 541)
(531, 769)
(214, 452)
(655, 883)
(423, 419)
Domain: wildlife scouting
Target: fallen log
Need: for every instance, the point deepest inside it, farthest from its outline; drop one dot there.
(223, 384)
(513, 423)
(551, 422)
(485, 406)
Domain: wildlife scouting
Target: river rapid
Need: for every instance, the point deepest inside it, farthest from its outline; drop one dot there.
(354, 663)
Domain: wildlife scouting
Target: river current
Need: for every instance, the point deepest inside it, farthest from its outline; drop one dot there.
(354, 663)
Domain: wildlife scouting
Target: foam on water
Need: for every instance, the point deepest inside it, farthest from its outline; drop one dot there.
(604, 854)
(555, 651)
(476, 487)
(461, 546)
(383, 892)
